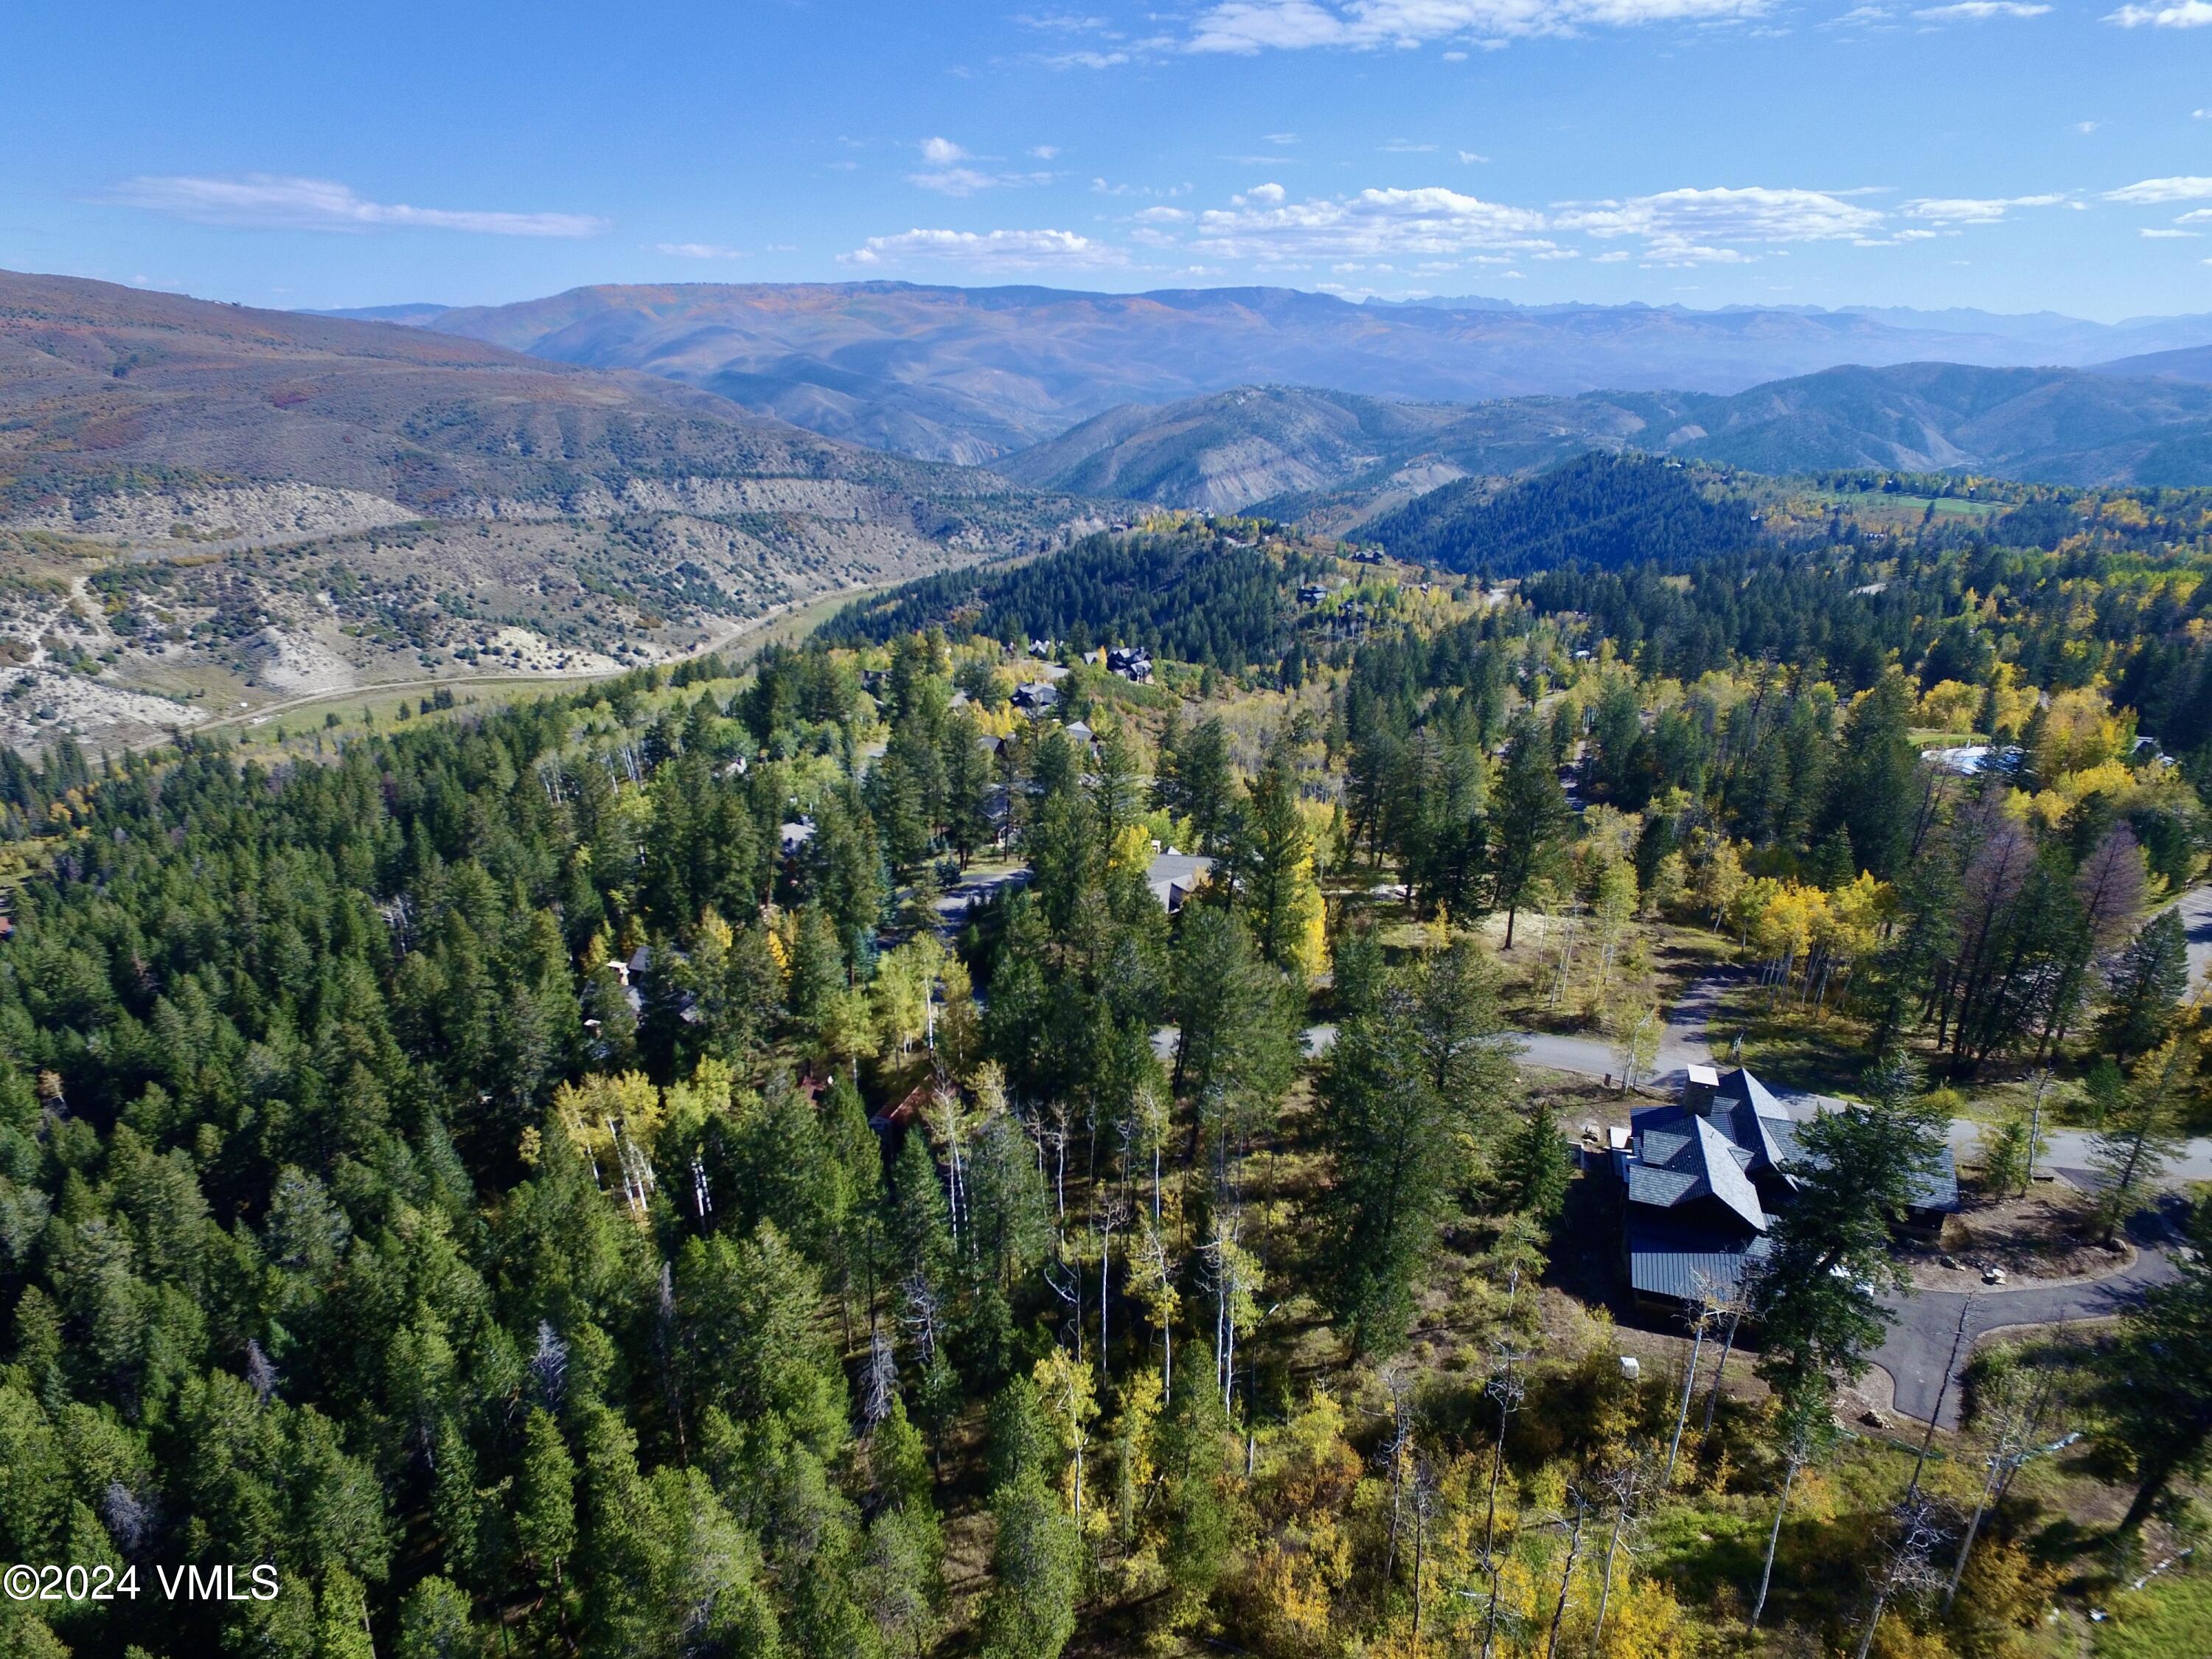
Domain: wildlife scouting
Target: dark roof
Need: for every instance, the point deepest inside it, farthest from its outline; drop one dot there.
(1680, 1157)
(1939, 1186)
(1666, 1259)
(1694, 1214)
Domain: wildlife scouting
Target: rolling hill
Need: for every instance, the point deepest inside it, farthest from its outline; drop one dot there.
(2189, 363)
(1599, 509)
(1337, 459)
(973, 375)
(201, 500)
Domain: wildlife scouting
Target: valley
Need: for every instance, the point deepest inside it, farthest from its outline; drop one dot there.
(204, 510)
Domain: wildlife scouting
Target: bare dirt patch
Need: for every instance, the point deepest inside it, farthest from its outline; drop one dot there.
(2050, 1236)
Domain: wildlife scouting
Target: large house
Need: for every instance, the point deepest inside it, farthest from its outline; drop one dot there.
(1702, 1182)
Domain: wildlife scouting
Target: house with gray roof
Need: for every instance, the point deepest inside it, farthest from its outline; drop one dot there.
(1174, 877)
(1702, 1182)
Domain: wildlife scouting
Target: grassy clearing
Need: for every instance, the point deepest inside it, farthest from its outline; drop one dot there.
(2169, 1619)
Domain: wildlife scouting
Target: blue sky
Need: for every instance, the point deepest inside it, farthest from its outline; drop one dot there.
(2009, 153)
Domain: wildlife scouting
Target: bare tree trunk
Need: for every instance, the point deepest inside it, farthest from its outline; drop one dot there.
(1623, 1496)
(1942, 1392)
(1689, 1382)
(1713, 1395)
(1567, 1579)
(1974, 1526)
(1774, 1540)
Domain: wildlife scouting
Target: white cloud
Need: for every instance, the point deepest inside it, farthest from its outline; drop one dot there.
(2152, 192)
(1251, 26)
(2162, 235)
(942, 152)
(1101, 187)
(1261, 224)
(1610, 257)
(269, 200)
(1282, 138)
(1044, 152)
(1163, 215)
(1973, 209)
(1089, 60)
(2200, 216)
(1406, 147)
(1468, 158)
(968, 181)
(1980, 11)
(952, 181)
(698, 251)
(2085, 128)
(988, 250)
(2184, 14)
(1689, 226)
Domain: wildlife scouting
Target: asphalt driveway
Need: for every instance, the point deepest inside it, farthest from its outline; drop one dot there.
(1926, 1324)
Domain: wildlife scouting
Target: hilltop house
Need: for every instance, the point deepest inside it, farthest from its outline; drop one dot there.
(1133, 663)
(1702, 1182)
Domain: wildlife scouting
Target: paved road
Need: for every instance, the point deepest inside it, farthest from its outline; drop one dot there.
(1926, 1324)
(1689, 1041)
(974, 888)
(2196, 907)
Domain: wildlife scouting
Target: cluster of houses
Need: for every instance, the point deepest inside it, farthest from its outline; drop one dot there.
(1134, 663)
(1703, 1181)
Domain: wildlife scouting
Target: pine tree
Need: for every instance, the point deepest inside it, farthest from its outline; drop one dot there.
(1528, 822)
(2141, 1131)
(545, 1498)
(1817, 1299)
(1533, 1170)
(1394, 1141)
(1036, 1568)
(1271, 868)
(2143, 989)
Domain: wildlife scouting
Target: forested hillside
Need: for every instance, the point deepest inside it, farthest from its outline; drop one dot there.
(1602, 509)
(1207, 593)
(743, 1161)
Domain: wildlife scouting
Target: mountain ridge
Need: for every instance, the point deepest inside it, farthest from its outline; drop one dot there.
(974, 375)
(1283, 449)
(198, 498)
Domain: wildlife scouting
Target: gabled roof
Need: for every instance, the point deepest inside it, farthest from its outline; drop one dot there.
(1725, 1175)
(1680, 1157)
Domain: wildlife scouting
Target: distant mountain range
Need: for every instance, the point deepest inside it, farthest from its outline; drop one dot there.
(274, 502)
(975, 374)
(1296, 451)
(98, 381)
